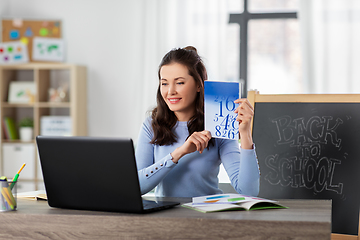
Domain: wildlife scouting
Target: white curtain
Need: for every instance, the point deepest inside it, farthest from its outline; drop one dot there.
(172, 24)
(331, 50)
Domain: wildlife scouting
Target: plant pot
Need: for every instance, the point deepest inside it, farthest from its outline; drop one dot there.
(26, 133)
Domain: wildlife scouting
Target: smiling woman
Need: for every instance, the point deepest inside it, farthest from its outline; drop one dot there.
(174, 153)
(179, 90)
(187, 64)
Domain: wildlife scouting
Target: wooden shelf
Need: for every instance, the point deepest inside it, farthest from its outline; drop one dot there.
(17, 105)
(53, 104)
(16, 141)
(44, 76)
(37, 66)
(37, 104)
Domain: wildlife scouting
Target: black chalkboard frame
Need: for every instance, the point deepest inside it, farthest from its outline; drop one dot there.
(255, 97)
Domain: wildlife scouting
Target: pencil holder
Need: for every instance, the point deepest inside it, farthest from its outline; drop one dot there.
(8, 199)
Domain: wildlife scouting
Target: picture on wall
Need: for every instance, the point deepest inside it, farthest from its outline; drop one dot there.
(13, 52)
(48, 49)
(24, 30)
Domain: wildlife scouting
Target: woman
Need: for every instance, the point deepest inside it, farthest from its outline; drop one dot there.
(174, 153)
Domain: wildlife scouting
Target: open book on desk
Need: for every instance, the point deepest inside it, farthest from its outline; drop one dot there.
(33, 195)
(226, 202)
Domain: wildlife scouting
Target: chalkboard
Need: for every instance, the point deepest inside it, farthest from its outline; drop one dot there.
(311, 150)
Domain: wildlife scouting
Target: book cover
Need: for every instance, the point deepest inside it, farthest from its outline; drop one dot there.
(219, 108)
(6, 131)
(226, 202)
(10, 129)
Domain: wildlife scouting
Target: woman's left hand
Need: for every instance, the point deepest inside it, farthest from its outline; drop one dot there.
(245, 113)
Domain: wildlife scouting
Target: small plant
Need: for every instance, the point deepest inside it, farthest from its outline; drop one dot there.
(26, 122)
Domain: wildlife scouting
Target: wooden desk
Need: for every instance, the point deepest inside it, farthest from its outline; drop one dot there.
(305, 219)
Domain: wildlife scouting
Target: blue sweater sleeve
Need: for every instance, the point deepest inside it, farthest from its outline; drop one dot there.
(150, 173)
(242, 168)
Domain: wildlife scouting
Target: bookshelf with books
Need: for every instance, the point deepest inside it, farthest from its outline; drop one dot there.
(47, 93)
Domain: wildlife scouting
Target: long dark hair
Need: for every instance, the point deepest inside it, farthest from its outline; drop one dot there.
(163, 119)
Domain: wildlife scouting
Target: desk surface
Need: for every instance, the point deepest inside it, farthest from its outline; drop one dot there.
(304, 219)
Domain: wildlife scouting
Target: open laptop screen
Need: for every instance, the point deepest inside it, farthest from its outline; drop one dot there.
(90, 173)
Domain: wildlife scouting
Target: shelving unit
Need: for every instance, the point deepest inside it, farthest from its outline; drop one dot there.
(44, 76)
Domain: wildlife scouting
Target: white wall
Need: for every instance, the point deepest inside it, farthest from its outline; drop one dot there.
(4, 5)
(105, 36)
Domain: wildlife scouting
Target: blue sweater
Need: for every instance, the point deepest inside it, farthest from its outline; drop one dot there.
(195, 174)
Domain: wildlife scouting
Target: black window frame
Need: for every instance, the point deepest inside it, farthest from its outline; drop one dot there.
(243, 20)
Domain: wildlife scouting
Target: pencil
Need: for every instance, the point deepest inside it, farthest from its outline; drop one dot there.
(16, 177)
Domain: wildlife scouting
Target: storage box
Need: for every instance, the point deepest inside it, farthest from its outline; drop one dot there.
(56, 126)
(15, 155)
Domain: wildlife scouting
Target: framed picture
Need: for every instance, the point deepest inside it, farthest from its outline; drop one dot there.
(13, 52)
(56, 126)
(48, 49)
(22, 92)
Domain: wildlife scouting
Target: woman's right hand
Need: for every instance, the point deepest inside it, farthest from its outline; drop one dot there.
(197, 141)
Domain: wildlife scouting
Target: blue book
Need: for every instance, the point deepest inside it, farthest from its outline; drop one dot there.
(219, 105)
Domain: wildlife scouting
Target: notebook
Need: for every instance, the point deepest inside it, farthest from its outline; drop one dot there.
(90, 173)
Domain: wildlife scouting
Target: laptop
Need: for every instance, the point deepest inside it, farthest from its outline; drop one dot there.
(90, 173)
